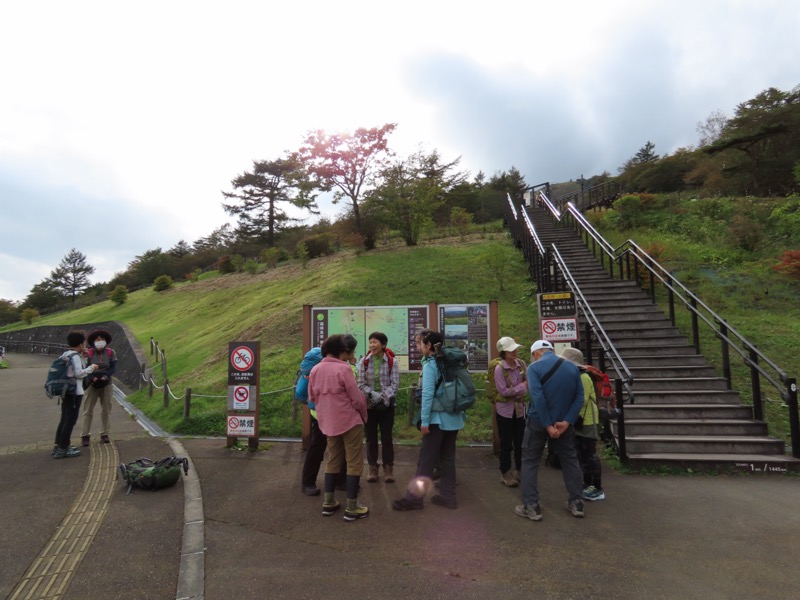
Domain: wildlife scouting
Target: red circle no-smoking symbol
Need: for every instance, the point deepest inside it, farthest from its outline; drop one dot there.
(233, 423)
(242, 358)
(549, 327)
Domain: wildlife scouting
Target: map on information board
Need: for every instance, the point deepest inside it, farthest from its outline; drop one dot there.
(399, 323)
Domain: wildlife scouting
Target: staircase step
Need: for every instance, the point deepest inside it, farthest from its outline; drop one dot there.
(687, 411)
(742, 462)
(683, 396)
(704, 444)
(679, 385)
(695, 427)
(681, 370)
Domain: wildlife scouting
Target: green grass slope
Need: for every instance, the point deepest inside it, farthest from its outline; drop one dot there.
(193, 322)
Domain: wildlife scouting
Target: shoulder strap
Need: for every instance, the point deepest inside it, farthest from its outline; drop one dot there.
(554, 368)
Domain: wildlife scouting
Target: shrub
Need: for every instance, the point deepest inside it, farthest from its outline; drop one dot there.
(29, 314)
(162, 282)
(302, 253)
(271, 256)
(318, 245)
(790, 264)
(250, 266)
(225, 265)
(119, 295)
(194, 276)
(461, 219)
(629, 212)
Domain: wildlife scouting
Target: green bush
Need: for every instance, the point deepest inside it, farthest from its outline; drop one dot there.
(29, 314)
(162, 282)
(318, 245)
(119, 295)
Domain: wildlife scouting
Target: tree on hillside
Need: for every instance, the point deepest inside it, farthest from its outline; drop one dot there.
(181, 249)
(761, 143)
(347, 164)
(509, 182)
(219, 239)
(412, 189)
(9, 312)
(259, 194)
(712, 128)
(151, 264)
(71, 276)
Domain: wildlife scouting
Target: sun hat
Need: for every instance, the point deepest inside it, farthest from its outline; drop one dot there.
(507, 344)
(541, 345)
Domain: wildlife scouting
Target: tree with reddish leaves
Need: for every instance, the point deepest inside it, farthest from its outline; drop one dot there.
(348, 164)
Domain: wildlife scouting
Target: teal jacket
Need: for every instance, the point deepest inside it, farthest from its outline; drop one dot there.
(445, 421)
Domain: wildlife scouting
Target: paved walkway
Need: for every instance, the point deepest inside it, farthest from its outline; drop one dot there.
(654, 537)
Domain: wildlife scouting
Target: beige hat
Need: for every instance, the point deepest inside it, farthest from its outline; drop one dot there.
(541, 345)
(573, 355)
(507, 344)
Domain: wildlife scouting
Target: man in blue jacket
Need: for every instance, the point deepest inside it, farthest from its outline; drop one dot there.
(556, 395)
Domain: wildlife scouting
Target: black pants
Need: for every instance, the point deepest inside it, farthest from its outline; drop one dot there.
(510, 430)
(383, 421)
(438, 448)
(590, 462)
(70, 409)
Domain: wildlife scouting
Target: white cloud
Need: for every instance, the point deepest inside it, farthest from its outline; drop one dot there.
(139, 115)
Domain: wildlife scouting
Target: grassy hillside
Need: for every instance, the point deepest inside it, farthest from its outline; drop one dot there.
(194, 322)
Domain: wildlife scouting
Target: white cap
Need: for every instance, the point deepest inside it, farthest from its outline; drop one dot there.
(541, 345)
(507, 344)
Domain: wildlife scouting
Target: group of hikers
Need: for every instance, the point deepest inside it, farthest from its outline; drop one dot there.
(553, 403)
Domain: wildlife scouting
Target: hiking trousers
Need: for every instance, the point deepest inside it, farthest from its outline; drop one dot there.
(92, 396)
(533, 444)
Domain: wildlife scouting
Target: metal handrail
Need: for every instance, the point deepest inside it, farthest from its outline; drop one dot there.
(721, 329)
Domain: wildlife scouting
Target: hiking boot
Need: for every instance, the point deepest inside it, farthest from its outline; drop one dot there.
(406, 504)
(373, 474)
(508, 479)
(310, 490)
(59, 453)
(593, 494)
(104, 439)
(329, 509)
(72, 451)
(84, 440)
(440, 501)
(388, 473)
(529, 511)
(353, 514)
(575, 507)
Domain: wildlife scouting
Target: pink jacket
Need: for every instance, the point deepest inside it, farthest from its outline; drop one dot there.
(333, 390)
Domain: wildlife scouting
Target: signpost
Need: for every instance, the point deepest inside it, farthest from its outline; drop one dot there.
(558, 317)
(244, 367)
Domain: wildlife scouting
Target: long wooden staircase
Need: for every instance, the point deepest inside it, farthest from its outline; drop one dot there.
(681, 413)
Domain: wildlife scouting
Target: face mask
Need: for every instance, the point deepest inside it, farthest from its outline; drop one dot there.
(100, 344)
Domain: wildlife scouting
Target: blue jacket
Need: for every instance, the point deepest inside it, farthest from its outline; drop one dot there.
(561, 399)
(445, 421)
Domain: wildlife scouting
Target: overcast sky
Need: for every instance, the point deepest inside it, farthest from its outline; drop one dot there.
(121, 123)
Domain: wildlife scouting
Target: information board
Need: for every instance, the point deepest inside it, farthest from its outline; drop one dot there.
(399, 323)
(466, 326)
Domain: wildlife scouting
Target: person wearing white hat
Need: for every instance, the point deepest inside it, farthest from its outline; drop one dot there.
(556, 395)
(512, 389)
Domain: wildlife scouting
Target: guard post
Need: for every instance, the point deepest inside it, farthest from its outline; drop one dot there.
(244, 369)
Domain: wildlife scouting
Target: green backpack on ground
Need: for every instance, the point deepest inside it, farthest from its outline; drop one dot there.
(148, 475)
(488, 383)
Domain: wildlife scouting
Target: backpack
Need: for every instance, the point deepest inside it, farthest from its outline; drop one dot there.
(148, 475)
(458, 387)
(488, 383)
(310, 360)
(58, 383)
(602, 387)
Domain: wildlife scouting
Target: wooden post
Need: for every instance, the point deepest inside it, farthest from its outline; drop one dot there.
(187, 403)
(150, 388)
(142, 374)
(166, 393)
(412, 402)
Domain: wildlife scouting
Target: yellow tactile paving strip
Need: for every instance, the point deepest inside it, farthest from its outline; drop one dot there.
(51, 572)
